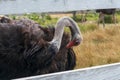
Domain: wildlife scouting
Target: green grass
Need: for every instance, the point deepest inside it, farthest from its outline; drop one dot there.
(88, 27)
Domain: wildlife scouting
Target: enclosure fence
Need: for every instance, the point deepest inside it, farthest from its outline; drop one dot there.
(104, 72)
(40, 6)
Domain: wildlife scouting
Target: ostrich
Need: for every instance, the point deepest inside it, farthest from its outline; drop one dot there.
(27, 49)
(102, 13)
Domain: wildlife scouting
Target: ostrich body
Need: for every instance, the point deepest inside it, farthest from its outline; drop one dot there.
(27, 49)
(103, 12)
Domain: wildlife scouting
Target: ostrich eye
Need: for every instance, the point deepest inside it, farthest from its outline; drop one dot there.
(77, 42)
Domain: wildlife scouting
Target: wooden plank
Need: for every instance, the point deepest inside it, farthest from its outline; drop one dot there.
(104, 72)
(39, 6)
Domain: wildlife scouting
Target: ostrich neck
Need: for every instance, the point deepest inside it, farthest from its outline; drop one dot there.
(74, 28)
(59, 29)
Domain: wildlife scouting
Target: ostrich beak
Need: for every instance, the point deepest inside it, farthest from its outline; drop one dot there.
(75, 42)
(70, 44)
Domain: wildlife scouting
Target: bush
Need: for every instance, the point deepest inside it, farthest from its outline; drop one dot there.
(88, 27)
(48, 17)
(108, 19)
(78, 18)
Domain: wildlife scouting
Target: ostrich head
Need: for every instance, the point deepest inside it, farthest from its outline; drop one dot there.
(59, 29)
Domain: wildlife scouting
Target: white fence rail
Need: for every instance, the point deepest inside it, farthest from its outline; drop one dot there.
(39, 6)
(104, 72)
